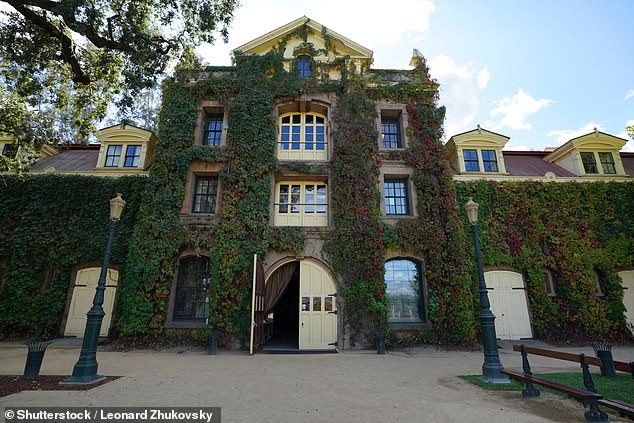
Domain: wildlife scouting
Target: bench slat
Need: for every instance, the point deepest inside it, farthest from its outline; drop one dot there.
(593, 361)
(567, 389)
(620, 406)
(557, 354)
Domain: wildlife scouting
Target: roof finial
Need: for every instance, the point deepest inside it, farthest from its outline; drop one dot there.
(596, 131)
(417, 58)
(479, 129)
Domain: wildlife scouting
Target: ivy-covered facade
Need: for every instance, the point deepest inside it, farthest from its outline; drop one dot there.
(335, 175)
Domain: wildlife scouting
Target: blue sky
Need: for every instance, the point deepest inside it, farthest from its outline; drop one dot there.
(540, 72)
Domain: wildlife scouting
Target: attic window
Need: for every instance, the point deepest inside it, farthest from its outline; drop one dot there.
(607, 163)
(10, 150)
(589, 163)
(303, 65)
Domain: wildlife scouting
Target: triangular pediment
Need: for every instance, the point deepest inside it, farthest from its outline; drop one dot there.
(125, 132)
(596, 140)
(480, 137)
(305, 31)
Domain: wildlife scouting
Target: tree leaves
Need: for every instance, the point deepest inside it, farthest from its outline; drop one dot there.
(65, 61)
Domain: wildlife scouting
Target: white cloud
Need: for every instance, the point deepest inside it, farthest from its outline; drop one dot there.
(564, 135)
(629, 94)
(515, 110)
(629, 146)
(356, 19)
(367, 22)
(483, 77)
(510, 147)
(459, 91)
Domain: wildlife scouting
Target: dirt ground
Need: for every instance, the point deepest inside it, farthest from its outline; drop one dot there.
(13, 384)
(412, 386)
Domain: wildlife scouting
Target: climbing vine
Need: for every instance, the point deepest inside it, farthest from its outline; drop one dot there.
(44, 236)
(590, 229)
(356, 243)
(571, 229)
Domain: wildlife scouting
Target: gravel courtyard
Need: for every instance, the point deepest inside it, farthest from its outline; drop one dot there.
(418, 385)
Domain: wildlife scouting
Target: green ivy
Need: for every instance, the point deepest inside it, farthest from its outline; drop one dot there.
(570, 229)
(48, 226)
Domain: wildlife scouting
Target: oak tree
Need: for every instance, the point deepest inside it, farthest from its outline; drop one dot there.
(62, 62)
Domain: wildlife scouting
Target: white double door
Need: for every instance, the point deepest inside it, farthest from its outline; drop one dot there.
(317, 308)
(83, 294)
(507, 295)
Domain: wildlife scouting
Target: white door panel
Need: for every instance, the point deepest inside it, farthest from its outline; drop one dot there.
(83, 294)
(509, 305)
(317, 323)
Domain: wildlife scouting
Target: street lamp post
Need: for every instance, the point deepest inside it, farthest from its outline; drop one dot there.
(85, 370)
(492, 366)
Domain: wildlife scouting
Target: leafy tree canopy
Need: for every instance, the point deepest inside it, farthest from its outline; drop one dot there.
(63, 61)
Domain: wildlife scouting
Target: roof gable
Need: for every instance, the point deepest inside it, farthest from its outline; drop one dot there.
(595, 140)
(125, 132)
(309, 31)
(479, 137)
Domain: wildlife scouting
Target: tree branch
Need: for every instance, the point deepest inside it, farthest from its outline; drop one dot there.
(66, 43)
(71, 22)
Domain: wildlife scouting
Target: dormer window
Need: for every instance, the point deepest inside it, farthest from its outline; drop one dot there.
(589, 163)
(471, 160)
(113, 154)
(590, 167)
(303, 65)
(125, 149)
(607, 163)
(592, 155)
(478, 151)
(489, 161)
(132, 154)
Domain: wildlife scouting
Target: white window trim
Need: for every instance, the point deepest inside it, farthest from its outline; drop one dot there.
(205, 108)
(103, 155)
(302, 218)
(498, 157)
(597, 160)
(302, 153)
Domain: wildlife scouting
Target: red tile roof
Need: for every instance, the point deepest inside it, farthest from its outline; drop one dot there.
(74, 159)
(531, 163)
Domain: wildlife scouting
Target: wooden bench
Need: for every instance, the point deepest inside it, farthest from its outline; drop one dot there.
(624, 408)
(588, 396)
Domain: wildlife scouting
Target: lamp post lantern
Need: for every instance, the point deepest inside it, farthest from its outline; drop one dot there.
(85, 370)
(492, 366)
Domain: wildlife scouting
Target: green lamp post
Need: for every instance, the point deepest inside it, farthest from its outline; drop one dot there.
(492, 366)
(85, 370)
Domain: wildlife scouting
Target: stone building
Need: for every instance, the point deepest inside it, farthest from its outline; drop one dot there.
(335, 175)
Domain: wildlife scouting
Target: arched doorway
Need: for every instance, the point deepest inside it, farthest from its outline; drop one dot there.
(301, 308)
